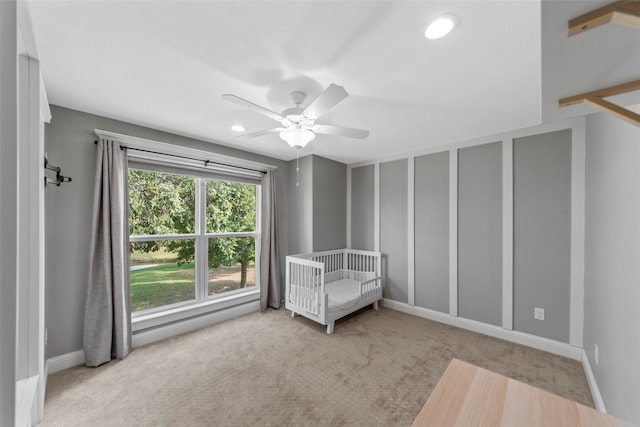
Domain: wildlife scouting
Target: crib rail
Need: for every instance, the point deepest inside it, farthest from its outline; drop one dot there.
(305, 285)
(364, 261)
(346, 259)
(370, 287)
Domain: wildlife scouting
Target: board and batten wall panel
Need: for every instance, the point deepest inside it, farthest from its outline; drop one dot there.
(542, 233)
(432, 231)
(393, 228)
(362, 208)
(480, 233)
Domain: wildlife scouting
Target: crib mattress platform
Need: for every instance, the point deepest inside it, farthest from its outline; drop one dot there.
(344, 293)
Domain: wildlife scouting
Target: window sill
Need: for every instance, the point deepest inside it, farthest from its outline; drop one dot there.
(153, 320)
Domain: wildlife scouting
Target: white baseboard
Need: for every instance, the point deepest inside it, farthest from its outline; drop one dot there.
(593, 385)
(64, 361)
(544, 344)
(188, 325)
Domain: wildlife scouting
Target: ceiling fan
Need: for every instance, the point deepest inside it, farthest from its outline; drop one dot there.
(298, 125)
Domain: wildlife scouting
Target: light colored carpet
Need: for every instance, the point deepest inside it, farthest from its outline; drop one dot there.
(378, 368)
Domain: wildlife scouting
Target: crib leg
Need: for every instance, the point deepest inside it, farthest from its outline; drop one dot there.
(330, 328)
(375, 305)
(293, 314)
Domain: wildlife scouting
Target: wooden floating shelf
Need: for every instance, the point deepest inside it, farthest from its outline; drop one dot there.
(595, 98)
(621, 12)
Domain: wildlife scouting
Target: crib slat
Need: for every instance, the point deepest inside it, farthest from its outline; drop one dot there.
(308, 279)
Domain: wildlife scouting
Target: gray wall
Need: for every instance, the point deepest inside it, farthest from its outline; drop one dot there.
(69, 144)
(542, 232)
(393, 228)
(480, 233)
(612, 262)
(300, 206)
(362, 208)
(432, 231)
(329, 204)
(317, 206)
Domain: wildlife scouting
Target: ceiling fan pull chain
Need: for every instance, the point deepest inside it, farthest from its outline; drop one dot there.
(297, 167)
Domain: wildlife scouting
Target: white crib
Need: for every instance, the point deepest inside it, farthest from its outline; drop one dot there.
(325, 286)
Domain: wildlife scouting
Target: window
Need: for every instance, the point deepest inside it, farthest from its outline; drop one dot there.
(192, 238)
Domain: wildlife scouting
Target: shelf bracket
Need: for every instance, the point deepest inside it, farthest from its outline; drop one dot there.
(625, 12)
(595, 99)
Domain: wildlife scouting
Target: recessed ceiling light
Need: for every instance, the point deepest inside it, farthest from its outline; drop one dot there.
(440, 27)
(238, 128)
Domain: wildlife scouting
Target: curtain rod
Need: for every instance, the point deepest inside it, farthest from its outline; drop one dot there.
(206, 162)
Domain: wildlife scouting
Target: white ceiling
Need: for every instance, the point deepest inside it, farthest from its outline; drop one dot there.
(166, 64)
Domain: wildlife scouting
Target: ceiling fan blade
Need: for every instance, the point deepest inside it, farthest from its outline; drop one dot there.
(243, 102)
(325, 101)
(260, 133)
(341, 131)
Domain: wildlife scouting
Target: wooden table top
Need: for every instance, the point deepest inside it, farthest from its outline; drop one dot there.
(467, 395)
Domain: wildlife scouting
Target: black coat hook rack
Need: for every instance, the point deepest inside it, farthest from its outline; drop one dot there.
(59, 178)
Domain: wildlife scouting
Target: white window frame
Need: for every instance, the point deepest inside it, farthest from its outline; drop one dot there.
(201, 241)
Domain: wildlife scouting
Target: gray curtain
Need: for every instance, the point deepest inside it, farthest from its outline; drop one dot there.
(271, 292)
(107, 317)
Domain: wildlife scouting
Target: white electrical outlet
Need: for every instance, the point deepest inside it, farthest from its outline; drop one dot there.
(595, 354)
(538, 313)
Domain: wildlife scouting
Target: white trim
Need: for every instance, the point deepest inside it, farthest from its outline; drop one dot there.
(593, 385)
(411, 267)
(201, 242)
(26, 390)
(164, 316)
(64, 361)
(257, 244)
(162, 237)
(446, 146)
(453, 232)
(578, 167)
(178, 150)
(188, 325)
(376, 207)
(507, 233)
(348, 208)
(45, 117)
(30, 179)
(544, 344)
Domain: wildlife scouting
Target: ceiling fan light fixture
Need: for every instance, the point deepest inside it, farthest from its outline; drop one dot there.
(297, 137)
(440, 27)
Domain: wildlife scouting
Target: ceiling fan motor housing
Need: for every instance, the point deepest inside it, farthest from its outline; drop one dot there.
(294, 116)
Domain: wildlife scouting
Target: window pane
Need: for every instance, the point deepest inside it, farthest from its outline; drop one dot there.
(161, 203)
(231, 264)
(161, 273)
(231, 206)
